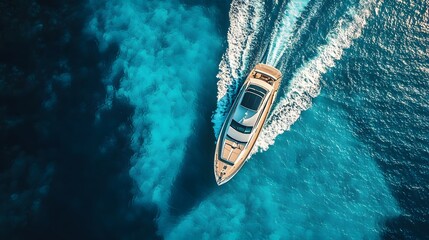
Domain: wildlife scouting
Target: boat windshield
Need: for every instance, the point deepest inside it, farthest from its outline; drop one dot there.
(251, 101)
(241, 128)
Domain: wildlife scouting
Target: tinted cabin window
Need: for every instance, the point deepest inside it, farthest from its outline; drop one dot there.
(237, 126)
(251, 101)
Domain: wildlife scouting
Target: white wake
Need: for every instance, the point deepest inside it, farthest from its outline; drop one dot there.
(284, 29)
(305, 84)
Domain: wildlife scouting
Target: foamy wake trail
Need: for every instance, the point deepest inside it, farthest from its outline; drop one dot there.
(305, 84)
(246, 19)
(283, 30)
(297, 35)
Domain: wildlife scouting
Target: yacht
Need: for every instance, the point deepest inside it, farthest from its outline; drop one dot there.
(245, 120)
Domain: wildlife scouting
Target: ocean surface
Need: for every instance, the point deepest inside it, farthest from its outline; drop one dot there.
(109, 113)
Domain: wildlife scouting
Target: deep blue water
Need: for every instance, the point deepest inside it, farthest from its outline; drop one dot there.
(110, 111)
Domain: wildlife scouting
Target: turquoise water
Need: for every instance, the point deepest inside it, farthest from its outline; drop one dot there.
(176, 44)
(128, 111)
(318, 181)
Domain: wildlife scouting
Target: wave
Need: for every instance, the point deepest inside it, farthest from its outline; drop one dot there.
(305, 84)
(284, 29)
(246, 23)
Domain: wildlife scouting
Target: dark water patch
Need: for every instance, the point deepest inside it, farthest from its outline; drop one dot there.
(91, 195)
(64, 175)
(27, 153)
